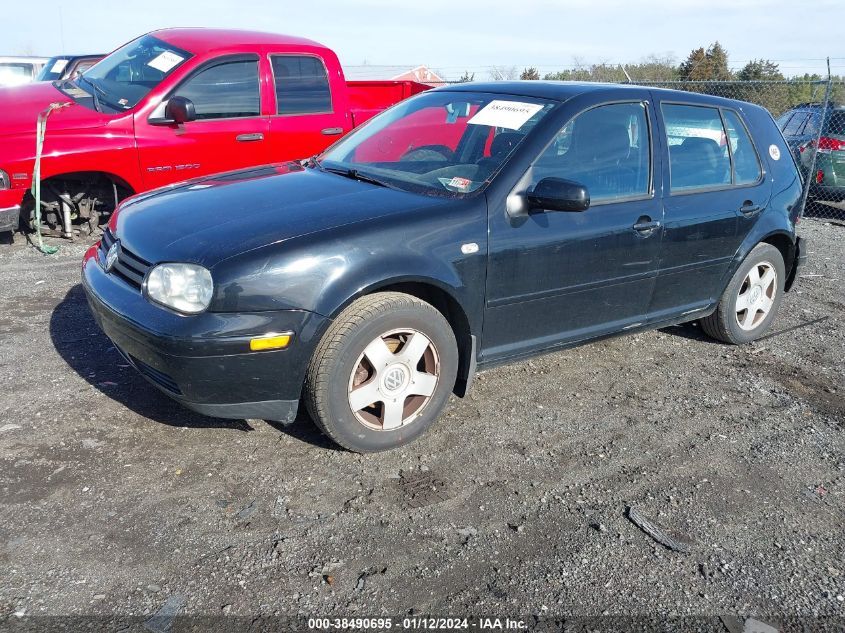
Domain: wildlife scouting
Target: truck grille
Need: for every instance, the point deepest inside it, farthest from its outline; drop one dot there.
(128, 266)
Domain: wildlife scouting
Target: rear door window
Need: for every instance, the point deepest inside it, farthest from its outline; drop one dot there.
(698, 149)
(746, 164)
(302, 85)
(224, 91)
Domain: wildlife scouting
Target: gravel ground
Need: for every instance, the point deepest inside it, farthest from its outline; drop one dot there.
(116, 501)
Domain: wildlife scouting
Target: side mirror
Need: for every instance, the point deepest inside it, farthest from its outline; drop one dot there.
(558, 194)
(180, 110)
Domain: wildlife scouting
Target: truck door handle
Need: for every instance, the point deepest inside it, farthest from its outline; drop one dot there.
(331, 131)
(246, 138)
(748, 208)
(645, 226)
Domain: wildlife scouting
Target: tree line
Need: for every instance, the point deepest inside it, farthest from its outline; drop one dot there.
(703, 70)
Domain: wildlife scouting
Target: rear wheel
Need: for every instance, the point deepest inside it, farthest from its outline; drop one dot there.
(749, 304)
(382, 373)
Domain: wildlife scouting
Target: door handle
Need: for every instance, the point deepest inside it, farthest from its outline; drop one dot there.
(645, 226)
(748, 208)
(246, 138)
(331, 131)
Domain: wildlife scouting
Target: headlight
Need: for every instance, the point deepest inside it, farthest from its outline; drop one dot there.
(5, 183)
(183, 287)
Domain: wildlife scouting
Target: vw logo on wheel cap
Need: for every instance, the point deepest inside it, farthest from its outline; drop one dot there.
(394, 378)
(111, 256)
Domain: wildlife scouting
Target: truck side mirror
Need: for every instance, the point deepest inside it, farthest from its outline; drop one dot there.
(180, 110)
(558, 194)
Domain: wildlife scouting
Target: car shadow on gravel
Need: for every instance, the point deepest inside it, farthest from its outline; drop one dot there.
(691, 331)
(83, 346)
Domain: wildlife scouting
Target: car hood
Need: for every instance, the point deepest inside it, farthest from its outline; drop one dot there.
(21, 106)
(205, 221)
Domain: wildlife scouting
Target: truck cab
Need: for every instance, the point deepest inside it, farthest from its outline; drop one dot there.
(173, 105)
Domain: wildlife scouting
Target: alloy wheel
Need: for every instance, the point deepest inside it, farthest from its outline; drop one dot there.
(756, 296)
(393, 379)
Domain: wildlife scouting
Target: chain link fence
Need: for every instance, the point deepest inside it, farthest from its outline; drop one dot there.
(811, 115)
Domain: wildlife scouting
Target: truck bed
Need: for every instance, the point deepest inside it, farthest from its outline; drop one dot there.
(368, 98)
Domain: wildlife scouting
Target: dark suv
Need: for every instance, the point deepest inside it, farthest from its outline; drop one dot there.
(467, 227)
(800, 127)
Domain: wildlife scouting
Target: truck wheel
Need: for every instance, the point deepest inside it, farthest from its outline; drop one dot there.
(382, 373)
(748, 305)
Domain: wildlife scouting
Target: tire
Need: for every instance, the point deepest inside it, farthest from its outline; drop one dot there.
(370, 348)
(753, 287)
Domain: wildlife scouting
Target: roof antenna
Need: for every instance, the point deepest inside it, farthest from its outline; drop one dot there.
(627, 76)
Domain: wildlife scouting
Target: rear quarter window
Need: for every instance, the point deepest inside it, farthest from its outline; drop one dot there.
(746, 163)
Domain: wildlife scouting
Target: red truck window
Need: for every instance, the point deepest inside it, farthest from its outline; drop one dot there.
(225, 91)
(421, 129)
(302, 85)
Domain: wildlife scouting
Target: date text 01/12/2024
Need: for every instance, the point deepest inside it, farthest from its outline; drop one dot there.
(418, 623)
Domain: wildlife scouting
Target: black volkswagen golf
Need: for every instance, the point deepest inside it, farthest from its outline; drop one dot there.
(467, 227)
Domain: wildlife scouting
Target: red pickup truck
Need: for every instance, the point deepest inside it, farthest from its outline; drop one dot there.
(172, 105)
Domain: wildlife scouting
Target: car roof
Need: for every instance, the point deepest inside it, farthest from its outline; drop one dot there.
(202, 40)
(563, 90)
(558, 90)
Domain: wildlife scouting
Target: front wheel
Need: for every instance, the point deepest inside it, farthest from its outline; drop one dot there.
(382, 372)
(749, 304)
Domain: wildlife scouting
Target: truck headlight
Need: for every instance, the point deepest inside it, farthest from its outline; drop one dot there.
(183, 287)
(5, 183)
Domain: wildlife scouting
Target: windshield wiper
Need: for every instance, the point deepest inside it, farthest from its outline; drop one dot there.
(97, 89)
(354, 174)
(314, 163)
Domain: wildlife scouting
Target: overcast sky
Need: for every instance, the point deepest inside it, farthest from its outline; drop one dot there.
(457, 35)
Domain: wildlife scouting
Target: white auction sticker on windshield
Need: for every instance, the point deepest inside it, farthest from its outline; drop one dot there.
(165, 62)
(507, 114)
(59, 66)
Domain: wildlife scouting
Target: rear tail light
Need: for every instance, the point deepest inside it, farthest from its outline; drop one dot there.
(831, 144)
(819, 177)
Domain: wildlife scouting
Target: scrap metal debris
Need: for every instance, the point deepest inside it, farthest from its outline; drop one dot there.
(656, 532)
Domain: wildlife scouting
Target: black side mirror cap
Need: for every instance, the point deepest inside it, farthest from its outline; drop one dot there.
(558, 194)
(180, 110)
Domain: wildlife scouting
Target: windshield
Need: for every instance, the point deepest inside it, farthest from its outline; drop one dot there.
(53, 69)
(438, 143)
(125, 77)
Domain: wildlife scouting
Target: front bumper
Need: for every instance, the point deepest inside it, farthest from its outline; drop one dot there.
(203, 361)
(10, 209)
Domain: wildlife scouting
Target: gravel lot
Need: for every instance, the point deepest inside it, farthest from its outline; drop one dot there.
(117, 501)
